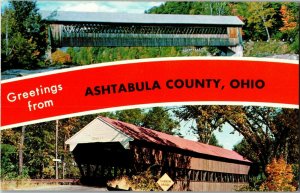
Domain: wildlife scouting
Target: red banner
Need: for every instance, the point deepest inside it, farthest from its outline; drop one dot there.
(102, 86)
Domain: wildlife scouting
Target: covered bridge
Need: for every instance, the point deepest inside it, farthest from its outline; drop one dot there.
(107, 148)
(94, 29)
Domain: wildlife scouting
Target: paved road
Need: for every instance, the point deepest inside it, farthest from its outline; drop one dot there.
(71, 188)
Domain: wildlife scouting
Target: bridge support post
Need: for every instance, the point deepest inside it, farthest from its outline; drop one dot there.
(49, 50)
(236, 51)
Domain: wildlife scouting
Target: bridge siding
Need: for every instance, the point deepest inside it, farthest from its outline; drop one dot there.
(82, 39)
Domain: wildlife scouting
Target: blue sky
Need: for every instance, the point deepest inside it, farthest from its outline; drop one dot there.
(94, 6)
(225, 138)
(97, 6)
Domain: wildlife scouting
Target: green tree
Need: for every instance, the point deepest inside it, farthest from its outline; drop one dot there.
(206, 120)
(25, 42)
(192, 8)
(158, 118)
(39, 149)
(261, 16)
(134, 116)
(9, 156)
(214, 141)
(245, 150)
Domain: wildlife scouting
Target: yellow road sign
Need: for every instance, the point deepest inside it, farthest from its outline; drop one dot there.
(165, 182)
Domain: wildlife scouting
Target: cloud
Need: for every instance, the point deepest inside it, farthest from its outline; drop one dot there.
(98, 6)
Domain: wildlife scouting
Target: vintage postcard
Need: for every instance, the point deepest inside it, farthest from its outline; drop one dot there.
(149, 96)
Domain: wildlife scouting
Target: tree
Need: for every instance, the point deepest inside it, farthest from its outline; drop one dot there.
(260, 15)
(214, 141)
(269, 132)
(288, 18)
(158, 118)
(25, 39)
(38, 149)
(8, 169)
(207, 121)
(280, 176)
(245, 150)
(59, 57)
(290, 29)
(193, 8)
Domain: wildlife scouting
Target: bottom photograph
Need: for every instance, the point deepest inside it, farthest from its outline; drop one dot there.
(173, 148)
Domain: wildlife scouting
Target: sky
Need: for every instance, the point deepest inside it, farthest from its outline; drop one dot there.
(225, 138)
(97, 6)
(94, 6)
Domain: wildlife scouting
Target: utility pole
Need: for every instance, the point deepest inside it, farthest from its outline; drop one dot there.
(56, 153)
(6, 34)
(21, 150)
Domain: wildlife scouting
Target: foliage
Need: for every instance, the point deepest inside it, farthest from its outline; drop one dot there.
(296, 173)
(25, 42)
(205, 117)
(145, 181)
(245, 188)
(9, 155)
(244, 149)
(260, 17)
(263, 49)
(193, 8)
(214, 141)
(134, 116)
(288, 18)
(280, 176)
(159, 119)
(59, 57)
(156, 118)
(89, 55)
(39, 149)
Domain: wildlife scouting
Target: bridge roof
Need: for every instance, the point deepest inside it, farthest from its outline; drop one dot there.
(130, 18)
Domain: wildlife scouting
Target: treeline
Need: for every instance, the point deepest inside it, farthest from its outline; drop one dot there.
(23, 36)
(263, 20)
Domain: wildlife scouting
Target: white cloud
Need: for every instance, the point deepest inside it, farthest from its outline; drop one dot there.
(98, 6)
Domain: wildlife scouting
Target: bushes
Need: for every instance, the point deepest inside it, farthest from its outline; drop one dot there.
(144, 181)
(60, 58)
(280, 176)
(262, 49)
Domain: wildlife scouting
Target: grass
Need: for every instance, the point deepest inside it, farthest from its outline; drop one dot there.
(21, 184)
(262, 49)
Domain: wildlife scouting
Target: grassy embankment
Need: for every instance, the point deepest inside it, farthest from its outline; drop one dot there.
(263, 49)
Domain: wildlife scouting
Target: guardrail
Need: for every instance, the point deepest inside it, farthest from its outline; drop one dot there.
(44, 181)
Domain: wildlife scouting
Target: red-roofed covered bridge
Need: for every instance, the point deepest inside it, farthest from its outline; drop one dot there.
(106, 149)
